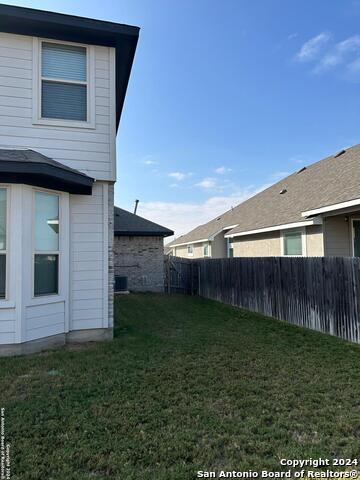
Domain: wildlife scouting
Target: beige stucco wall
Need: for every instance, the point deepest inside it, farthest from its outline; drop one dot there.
(314, 241)
(269, 244)
(260, 245)
(198, 251)
(218, 249)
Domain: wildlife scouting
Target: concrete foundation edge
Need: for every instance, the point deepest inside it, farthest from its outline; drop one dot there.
(55, 341)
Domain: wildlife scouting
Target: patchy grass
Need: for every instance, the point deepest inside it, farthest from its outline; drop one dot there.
(188, 384)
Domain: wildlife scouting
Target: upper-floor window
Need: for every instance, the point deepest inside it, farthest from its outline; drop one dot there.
(3, 222)
(64, 82)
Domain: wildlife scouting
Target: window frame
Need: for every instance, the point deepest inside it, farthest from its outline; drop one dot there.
(7, 237)
(206, 245)
(353, 219)
(302, 232)
(38, 79)
(190, 250)
(230, 246)
(35, 252)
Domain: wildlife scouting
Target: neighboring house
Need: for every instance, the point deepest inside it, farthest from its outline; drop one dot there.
(313, 212)
(63, 81)
(207, 240)
(139, 251)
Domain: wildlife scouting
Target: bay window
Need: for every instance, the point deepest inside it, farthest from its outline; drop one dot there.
(46, 243)
(64, 82)
(3, 242)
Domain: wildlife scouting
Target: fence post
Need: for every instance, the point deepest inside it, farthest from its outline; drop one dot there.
(168, 276)
(192, 278)
(199, 280)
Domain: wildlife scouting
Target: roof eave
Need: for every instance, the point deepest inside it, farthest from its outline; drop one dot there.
(58, 26)
(274, 228)
(136, 233)
(47, 176)
(330, 208)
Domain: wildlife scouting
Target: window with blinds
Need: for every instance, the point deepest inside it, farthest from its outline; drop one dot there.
(64, 82)
(292, 243)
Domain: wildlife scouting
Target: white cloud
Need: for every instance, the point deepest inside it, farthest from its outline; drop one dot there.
(150, 162)
(179, 176)
(345, 54)
(340, 53)
(353, 69)
(222, 170)
(312, 47)
(183, 217)
(207, 182)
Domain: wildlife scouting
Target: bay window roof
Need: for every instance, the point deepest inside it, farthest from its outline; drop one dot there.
(33, 168)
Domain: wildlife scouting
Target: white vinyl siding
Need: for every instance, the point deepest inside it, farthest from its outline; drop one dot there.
(44, 320)
(90, 150)
(82, 302)
(7, 325)
(88, 260)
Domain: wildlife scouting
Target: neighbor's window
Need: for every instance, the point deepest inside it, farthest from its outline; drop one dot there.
(3, 218)
(206, 250)
(63, 82)
(230, 249)
(292, 243)
(46, 255)
(190, 250)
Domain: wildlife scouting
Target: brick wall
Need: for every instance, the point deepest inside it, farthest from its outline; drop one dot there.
(141, 259)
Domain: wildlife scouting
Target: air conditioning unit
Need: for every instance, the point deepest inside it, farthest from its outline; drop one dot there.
(121, 284)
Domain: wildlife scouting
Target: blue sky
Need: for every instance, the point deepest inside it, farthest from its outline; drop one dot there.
(227, 97)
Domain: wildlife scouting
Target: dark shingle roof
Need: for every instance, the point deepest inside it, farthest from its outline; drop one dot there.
(126, 223)
(332, 180)
(207, 230)
(32, 168)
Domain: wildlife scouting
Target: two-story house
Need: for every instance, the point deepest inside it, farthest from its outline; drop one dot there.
(63, 81)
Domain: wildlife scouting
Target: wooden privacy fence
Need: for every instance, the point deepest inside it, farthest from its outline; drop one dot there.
(181, 275)
(321, 293)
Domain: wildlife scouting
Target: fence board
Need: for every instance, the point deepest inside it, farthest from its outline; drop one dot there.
(320, 293)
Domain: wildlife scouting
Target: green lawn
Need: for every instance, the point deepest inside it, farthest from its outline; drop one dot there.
(188, 384)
